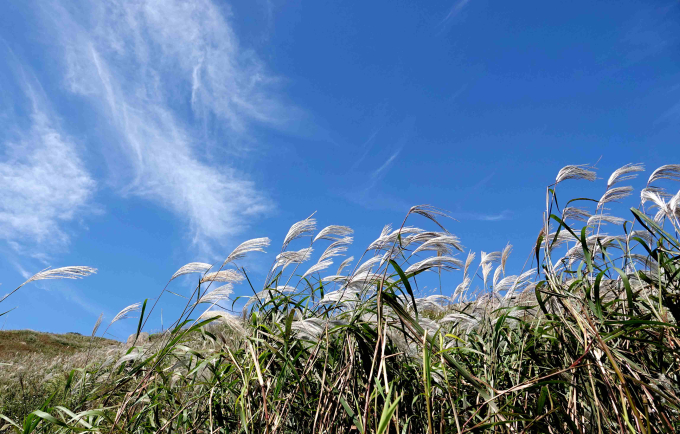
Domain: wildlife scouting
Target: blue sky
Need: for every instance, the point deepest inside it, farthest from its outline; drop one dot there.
(137, 136)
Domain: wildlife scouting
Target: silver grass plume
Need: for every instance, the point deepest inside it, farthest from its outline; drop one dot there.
(429, 325)
(659, 190)
(574, 213)
(669, 171)
(461, 288)
(486, 269)
(299, 229)
(344, 264)
(459, 318)
(490, 257)
(254, 245)
(125, 313)
(387, 240)
(674, 204)
(497, 276)
(266, 295)
(333, 232)
(76, 272)
(582, 171)
(367, 265)
(623, 173)
(468, 261)
(563, 237)
(284, 259)
(642, 234)
(653, 195)
(615, 194)
(217, 294)
(193, 267)
(505, 255)
(319, 266)
(443, 244)
(386, 230)
(435, 303)
(430, 212)
(223, 276)
(339, 296)
(225, 318)
(97, 324)
(312, 328)
(605, 218)
(337, 248)
(441, 262)
(514, 284)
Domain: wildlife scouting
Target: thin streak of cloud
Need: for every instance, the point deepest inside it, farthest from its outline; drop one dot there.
(382, 169)
(455, 10)
(141, 65)
(503, 215)
(368, 144)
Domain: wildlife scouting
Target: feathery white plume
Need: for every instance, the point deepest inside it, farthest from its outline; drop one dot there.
(76, 272)
(513, 284)
(266, 295)
(441, 262)
(333, 232)
(225, 318)
(339, 296)
(622, 173)
(653, 195)
(435, 303)
(490, 257)
(284, 259)
(505, 255)
(486, 269)
(468, 261)
(299, 229)
(461, 288)
(430, 212)
(615, 194)
(312, 328)
(605, 218)
(337, 248)
(254, 245)
(217, 294)
(669, 171)
(582, 171)
(345, 263)
(443, 244)
(223, 276)
(497, 276)
(193, 267)
(574, 213)
(125, 313)
(97, 324)
(319, 266)
(367, 265)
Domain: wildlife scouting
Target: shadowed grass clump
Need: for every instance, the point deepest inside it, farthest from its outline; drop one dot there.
(584, 340)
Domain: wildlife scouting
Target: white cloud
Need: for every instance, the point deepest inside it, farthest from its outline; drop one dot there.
(44, 181)
(382, 169)
(164, 73)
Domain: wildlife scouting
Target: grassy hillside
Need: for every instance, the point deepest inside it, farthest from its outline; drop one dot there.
(585, 339)
(21, 343)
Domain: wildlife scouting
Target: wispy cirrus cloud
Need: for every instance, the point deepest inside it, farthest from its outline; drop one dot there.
(456, 9)
(492, 217)
(45, 183)
(165, 75)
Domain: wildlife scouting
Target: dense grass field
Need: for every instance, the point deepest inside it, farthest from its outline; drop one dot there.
(584, 339)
